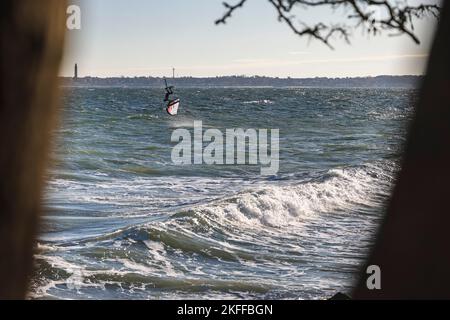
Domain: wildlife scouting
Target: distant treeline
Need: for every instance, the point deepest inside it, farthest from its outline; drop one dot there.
(255, 81)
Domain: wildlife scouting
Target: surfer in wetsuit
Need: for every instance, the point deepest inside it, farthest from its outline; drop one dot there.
(169, 92)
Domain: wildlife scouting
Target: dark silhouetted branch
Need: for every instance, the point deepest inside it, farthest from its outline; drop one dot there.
(395, 18)
(230, 10)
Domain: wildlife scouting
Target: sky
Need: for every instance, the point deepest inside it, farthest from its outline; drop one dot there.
(149, 37)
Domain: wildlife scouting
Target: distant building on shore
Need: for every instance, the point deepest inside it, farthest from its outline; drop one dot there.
(75, 72)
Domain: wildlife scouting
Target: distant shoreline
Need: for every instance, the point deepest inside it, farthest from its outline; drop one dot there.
(407, 81)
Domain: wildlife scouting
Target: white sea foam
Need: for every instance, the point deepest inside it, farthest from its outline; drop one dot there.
(157, 252)
(288, 205)
(264, 101)
(138, 194)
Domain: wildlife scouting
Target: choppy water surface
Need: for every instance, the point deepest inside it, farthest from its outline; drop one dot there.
(124, 223)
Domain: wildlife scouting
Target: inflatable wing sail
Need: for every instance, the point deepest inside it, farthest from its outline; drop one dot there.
(172, 107)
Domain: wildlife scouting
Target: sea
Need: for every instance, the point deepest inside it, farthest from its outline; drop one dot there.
(123, 221)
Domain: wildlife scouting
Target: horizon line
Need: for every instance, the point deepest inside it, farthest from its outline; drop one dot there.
(241, 76)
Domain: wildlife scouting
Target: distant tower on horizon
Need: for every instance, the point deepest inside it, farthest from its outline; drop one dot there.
(75, 72)
(173, 73)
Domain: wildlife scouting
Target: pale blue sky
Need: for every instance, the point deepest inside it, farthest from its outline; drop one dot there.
(148, 37)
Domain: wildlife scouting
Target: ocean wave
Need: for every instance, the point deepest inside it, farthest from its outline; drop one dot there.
(263, 230)
(275, 204)
(143, 116)
(59, 275)
(263, 101)
(338, 190)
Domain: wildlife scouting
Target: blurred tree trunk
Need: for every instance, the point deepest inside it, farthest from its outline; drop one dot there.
(31, 34)
(412, 248)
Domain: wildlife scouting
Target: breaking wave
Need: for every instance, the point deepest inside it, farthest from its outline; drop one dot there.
(251, 231)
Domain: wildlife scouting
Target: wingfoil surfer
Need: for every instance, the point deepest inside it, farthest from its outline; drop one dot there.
(169, 92)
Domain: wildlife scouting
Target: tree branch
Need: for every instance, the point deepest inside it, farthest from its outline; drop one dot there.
(397, 19)
(230, 10)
